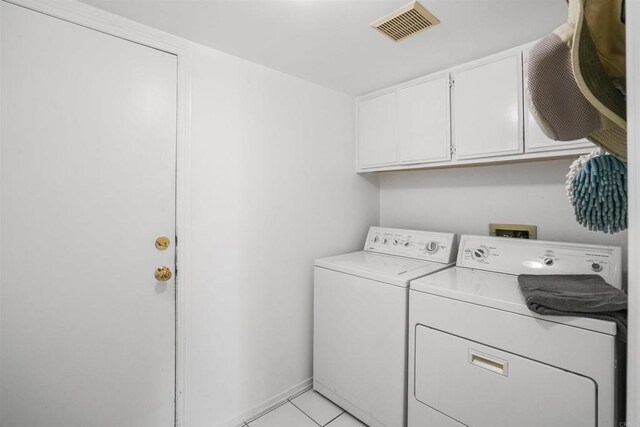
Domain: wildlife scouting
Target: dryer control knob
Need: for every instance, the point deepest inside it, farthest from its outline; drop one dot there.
(596, 267)
(548, 262)
(480, 254)
(431, 247)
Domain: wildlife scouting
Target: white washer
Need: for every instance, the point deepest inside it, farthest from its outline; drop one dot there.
(360, 320)
(479, 357)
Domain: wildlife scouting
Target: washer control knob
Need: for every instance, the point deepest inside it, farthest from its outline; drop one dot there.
(406, 244)
(548, 262)
(480, 253)
(596, 267)
(395, 242)
(384, 241)
(431, 247)
(376, 239)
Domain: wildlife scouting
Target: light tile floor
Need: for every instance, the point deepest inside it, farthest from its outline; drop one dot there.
(310, 409)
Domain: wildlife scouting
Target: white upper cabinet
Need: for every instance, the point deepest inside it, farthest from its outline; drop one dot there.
(535, 139)
(424, 134)
(483, 118)
(487, 109)
(377, 131)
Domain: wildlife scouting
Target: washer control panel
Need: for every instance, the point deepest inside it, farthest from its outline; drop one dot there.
(425, 245)
(517, 256)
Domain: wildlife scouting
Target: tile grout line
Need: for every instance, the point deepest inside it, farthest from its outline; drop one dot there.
(308, 416)
(342, 411)
(335, 418)
(288, 399)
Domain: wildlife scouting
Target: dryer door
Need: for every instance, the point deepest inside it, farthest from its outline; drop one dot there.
(481, 386)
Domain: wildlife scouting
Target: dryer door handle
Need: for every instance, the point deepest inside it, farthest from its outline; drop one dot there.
(490, 363)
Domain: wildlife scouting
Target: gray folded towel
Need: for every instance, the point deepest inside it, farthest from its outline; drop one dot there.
(580, 295)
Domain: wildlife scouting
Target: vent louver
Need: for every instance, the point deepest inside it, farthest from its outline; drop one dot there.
(406, 21)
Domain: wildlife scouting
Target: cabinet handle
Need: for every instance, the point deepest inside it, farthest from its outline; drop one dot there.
(489, 363)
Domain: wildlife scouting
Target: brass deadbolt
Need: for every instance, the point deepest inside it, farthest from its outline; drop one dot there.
(163, 274)
(162, 243)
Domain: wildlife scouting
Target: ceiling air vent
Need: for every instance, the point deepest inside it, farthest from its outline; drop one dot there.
(406, 21)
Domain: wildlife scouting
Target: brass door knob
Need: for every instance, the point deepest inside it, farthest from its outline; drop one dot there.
(162, 243)
(163, 274)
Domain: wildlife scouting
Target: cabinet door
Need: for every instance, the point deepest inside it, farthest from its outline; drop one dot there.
(377, 131)
(534, 139)
(423, 122)
(487, 109)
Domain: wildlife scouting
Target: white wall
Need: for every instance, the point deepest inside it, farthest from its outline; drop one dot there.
(273, 188)
(466, 200)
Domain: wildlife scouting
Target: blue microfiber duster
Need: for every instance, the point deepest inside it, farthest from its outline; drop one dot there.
(598, 193)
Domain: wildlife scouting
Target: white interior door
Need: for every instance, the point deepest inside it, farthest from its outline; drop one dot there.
(87, 147)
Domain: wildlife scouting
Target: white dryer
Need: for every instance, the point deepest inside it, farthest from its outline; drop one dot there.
(479, 357)
(360, 320)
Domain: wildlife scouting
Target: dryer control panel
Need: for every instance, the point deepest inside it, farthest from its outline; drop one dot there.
(424, 245)
(518, 256)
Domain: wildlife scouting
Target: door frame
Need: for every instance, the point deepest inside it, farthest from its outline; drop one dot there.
(114, 25)
(633, 132)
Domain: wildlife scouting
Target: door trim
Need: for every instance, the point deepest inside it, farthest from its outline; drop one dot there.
(105, 22)
(633, 131)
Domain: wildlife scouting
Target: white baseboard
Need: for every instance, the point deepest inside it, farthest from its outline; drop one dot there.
(269, 404)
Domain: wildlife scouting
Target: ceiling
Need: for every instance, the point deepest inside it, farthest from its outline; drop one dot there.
(330, 42)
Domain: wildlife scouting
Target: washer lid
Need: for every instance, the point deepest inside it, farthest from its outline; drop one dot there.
(496, 290)
(398, 271)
